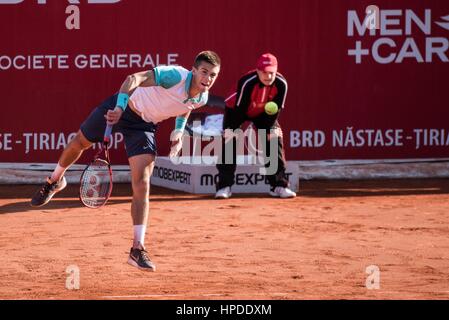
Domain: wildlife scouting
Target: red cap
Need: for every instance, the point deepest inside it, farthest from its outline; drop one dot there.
(267, 62)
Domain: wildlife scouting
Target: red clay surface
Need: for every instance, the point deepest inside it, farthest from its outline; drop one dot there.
(316, 246)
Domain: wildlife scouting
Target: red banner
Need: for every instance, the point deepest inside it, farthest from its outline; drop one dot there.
(364, 82)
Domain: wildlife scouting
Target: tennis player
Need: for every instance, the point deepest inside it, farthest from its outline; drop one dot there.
(255, 89)
(145, 99)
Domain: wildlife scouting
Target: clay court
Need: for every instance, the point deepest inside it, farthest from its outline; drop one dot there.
(316, 246)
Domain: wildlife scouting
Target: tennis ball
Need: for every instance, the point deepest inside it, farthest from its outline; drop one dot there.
(271, 108)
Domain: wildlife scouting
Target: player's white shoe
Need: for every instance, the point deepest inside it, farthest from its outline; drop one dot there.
(281, 192)
(223, 193)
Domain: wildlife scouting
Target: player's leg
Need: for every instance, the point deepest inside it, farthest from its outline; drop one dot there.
(226, 164)
(70, 155)
(141, 169)
(56, 182)
(141, 150)
(91, 131)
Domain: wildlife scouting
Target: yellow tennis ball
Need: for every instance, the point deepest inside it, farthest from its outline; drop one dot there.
(271, 108)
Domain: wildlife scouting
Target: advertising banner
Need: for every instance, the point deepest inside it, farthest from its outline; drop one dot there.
(366, 79)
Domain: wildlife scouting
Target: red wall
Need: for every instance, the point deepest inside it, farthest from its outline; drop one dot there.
(328, 90)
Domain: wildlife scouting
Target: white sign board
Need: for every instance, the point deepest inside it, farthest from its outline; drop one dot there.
(201, 178)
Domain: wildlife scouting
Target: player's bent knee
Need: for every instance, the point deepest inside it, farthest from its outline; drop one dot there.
(82, 140)
(74, 145)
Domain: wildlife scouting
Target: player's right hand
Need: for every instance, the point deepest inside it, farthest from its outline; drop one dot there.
(113, 116)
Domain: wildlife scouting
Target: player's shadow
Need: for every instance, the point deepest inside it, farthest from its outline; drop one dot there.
(59, 205)
(68, 199)
(375, 188)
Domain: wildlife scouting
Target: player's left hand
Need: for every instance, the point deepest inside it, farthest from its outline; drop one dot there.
(113, 116)
(176, 143)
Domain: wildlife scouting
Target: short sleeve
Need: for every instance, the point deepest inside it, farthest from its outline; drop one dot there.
(167, 76)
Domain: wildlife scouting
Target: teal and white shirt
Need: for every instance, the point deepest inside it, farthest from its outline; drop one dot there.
(169, 98)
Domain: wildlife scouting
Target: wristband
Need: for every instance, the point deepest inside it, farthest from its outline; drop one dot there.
(122, 101)
(180, 123)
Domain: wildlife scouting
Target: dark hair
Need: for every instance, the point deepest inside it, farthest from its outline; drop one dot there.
(209, 57)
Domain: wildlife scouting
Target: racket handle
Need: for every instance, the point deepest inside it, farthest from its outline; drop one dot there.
(107, 133)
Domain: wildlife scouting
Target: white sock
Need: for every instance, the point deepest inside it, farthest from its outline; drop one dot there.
(57, 173)
(139, 235)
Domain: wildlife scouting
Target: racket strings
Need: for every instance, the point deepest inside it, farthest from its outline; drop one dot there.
(96, 184)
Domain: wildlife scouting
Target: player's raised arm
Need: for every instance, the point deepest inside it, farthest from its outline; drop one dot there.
(131, 83)
(139, 79)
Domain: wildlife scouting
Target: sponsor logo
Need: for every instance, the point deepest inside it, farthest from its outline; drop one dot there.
(171, 175)
(445, 24)
(241, 179)
(399, 35)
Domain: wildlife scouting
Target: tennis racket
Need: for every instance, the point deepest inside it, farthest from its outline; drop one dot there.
(96, 180)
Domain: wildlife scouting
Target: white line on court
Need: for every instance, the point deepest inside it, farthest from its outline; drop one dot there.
(193, 294)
